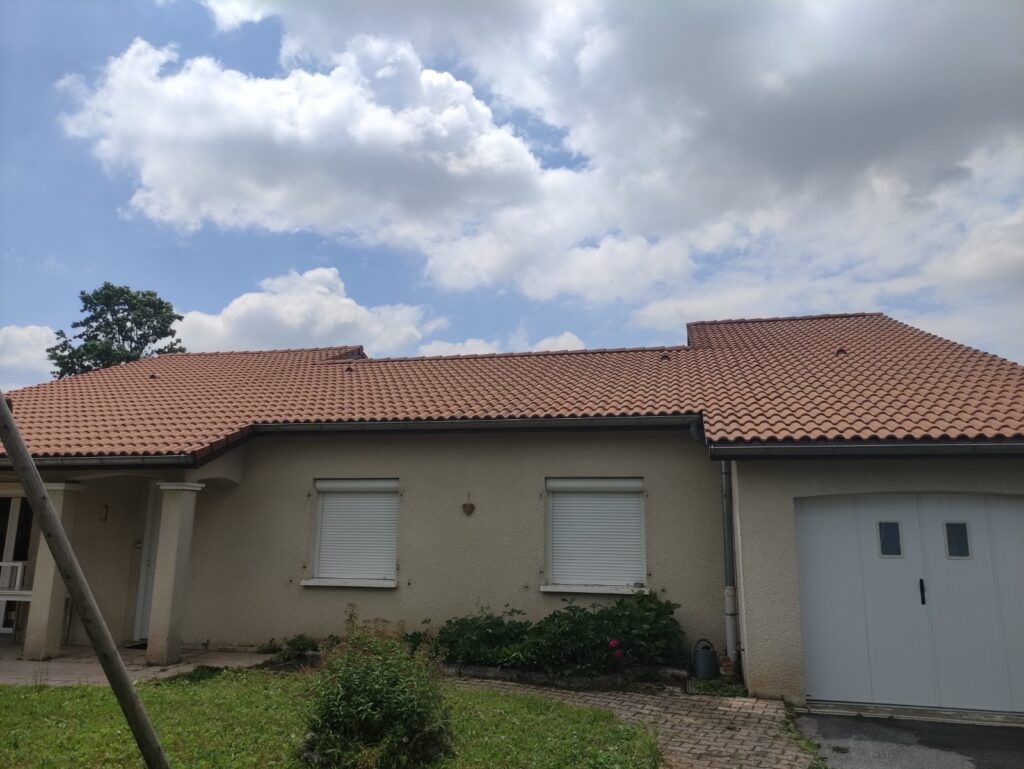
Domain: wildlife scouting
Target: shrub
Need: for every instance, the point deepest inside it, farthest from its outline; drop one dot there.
(298, 651)
(482, 639)
(269, 647)
(646, 628)
(566, 642)
(301, 644)
(636, 631)
(421, 641)
(376, 707)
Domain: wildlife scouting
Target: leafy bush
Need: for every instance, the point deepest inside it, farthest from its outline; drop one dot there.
(301, 644)
(570, 641)
(646, 628)
(421, 641)
(376, 707)
(636, 631)
(482, 639)
(269, 647)
(297, 651)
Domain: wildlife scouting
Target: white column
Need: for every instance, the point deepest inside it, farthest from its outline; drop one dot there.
(170, 576)
(45, 624)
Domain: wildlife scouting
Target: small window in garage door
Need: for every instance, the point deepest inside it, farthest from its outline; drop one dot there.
(957, 544)
(889, 542)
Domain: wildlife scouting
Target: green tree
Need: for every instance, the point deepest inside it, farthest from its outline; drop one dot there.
(120, 325)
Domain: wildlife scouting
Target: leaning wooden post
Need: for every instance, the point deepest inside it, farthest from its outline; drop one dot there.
(81, 596)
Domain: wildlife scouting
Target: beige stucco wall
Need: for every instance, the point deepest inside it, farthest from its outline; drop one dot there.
(764, 492)
(252, 541)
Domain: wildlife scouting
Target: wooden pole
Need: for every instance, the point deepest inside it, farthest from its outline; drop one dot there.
(81, 596)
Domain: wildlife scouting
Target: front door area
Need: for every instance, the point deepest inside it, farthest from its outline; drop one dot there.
(913, 599)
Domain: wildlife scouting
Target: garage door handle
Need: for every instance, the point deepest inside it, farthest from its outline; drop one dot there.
(920, 586)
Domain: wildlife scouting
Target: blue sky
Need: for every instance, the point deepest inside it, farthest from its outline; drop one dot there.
(444, 178)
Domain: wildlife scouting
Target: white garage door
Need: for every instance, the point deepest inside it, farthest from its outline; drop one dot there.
(913, 599)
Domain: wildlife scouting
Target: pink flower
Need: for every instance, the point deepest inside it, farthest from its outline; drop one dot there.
(613, 644)
(618, 654)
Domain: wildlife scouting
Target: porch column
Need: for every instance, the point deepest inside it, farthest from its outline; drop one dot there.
(170, 575)
(45, 624)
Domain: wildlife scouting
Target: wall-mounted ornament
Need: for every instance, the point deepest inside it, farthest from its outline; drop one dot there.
(468, 508)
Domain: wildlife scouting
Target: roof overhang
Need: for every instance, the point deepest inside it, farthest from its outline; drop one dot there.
(866, 449)
(221, 446)
(523, 423)
(112, 460)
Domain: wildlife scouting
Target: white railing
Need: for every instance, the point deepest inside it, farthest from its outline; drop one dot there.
(12, 576)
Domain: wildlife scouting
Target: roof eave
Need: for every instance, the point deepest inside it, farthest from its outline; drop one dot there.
(222, 445)
(125, 461)
(511, 423)
(763, 450)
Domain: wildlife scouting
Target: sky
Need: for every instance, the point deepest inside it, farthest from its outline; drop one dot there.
(445, 177)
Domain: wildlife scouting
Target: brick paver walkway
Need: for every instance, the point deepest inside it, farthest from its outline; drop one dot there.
(694, 732)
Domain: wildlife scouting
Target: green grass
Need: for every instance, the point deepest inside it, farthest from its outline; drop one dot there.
(716, 687)
(256, 719)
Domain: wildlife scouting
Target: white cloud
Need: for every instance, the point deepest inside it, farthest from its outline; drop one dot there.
(308, 309)
(378, 147)
(23, 358)
(471, 346)
(783, 158)
(515, 342)
(564, 341)
(953, 263)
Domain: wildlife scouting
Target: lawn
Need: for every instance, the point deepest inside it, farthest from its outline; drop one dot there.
(256, 718)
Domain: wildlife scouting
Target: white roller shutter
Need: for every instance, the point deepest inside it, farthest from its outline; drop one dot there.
(597, 531)
(358, 529)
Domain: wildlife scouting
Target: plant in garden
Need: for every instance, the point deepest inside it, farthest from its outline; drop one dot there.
(570, 641)
(636, 631)
(269, 647)
(647, 629)
(484, 638)
(376, 707)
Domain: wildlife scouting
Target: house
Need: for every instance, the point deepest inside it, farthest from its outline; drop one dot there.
(836, 501)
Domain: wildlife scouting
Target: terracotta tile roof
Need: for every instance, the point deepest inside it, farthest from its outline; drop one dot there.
(851, 377)
(837, 377)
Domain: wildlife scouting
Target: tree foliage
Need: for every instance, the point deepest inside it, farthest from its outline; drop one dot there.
(120, 326)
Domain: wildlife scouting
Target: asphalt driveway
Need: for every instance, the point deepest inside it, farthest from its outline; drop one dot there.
(886, 743)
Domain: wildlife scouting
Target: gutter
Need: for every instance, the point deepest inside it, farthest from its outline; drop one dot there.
(865, 449)
(164, 460)
(512, 423)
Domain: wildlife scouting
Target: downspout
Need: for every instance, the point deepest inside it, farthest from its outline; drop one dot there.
(729, 555)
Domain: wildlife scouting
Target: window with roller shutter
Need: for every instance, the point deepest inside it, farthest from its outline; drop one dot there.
(596, 532)
(357, 531)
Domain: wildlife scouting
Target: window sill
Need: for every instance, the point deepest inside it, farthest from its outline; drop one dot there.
(379, 583)
(593, 589)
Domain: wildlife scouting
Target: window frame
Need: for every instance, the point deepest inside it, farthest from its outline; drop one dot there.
(322, 486)
(567, 484)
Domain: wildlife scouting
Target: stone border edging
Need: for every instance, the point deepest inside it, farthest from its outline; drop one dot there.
(609, 681)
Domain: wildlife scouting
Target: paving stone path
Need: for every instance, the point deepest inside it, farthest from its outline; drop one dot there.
(694, 731)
